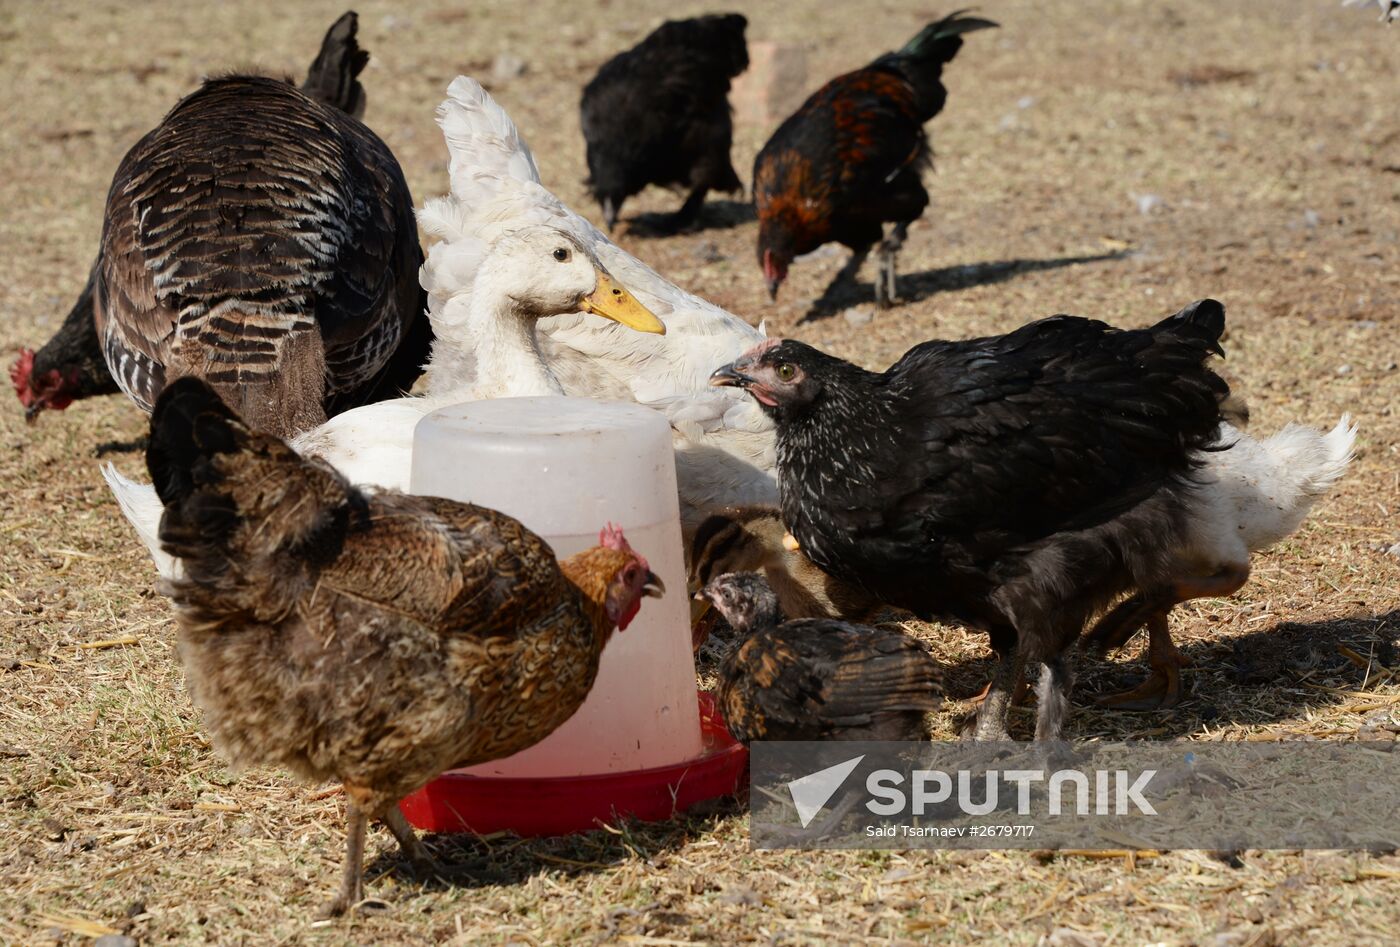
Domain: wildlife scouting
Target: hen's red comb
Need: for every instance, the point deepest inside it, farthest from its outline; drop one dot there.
(20, 373)
(610, 537)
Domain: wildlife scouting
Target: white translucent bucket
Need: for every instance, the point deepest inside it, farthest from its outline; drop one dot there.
(565, 467)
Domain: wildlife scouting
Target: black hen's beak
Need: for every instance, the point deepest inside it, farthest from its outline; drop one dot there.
(653, 587)
(773, 284)
(729, 376)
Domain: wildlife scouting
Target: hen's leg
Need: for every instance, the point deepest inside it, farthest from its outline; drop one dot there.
(1052, 699)
(690, 210)
(1018, 696)
(886, 294)
(352, 884)
(413, 848)
(1162, 689)
(991, 719)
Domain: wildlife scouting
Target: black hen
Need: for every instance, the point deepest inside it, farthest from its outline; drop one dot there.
(849, 160)
(817, 678)
(659, 114)
(1017, 483)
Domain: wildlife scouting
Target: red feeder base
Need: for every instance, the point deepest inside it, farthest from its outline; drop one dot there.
(456, 802)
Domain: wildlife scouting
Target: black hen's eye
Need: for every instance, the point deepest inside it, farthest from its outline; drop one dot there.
(787, 371)
(562, 255)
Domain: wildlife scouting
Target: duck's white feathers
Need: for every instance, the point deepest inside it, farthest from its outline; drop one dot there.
(142, 509)
(724, 442)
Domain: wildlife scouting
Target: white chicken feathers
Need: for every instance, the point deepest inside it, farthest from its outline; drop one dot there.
(1258, 492)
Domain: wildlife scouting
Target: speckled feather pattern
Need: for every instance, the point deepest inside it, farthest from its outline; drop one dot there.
(375, 639)
(263, 241)
(1011, 482)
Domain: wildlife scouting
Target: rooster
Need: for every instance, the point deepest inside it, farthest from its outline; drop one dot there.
(376, 639)
(850, 159)
(817, 678)
(68, 368)
(658, 113)
(1007, 482)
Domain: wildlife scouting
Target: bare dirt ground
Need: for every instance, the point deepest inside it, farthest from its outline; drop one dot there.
(1115, 159)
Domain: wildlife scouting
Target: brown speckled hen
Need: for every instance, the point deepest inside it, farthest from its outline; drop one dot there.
(374, 639)
(259, 237)
(817, 679)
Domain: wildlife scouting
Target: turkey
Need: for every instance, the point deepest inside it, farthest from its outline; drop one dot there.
(261, 238)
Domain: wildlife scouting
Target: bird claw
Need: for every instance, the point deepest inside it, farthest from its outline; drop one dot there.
(1160, 691)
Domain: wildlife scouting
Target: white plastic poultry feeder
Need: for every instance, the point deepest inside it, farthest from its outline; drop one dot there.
(565, 467)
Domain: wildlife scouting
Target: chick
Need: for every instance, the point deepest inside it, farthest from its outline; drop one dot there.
(817, 678)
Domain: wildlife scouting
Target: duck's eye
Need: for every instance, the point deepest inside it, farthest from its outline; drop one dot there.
(562, 255)
(787, 371)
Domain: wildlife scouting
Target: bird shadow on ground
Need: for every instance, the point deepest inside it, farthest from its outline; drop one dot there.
(469, 861)
(914, 287)
(715, 215)
(107, 448)
(1263, 677)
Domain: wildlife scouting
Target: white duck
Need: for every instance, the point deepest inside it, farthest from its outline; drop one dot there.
(485, 347)
(725, 449)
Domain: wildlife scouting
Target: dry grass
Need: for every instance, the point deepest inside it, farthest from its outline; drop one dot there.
(1266, 130)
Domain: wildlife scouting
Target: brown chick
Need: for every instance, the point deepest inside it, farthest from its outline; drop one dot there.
(374, 639)
(750, 539)
(817, 678)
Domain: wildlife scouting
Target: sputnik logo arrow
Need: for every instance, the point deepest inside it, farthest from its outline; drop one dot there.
(813, 791)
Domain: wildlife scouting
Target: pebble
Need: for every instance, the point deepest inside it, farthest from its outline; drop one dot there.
(1343, 369)
(859, 317)
(507, 66)
(1147, 203)
(114, 940)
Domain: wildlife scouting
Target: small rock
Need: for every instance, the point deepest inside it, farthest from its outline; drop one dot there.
(1366, 323)
(1025, 101)
(709, 252)
(1311, 219)
(859, 317)
(507, 66)
(1147, 203)
(114, 940)
(1394, 551)
(1343, 369)
(1008, 122)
